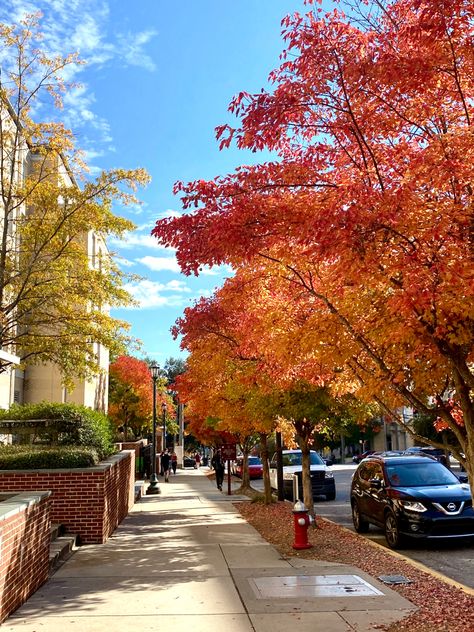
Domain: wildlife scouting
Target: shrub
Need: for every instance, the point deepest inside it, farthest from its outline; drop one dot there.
(24, 457)
(65, 425)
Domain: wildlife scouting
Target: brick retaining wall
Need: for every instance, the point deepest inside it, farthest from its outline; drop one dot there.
(90, 502)
(24, 548)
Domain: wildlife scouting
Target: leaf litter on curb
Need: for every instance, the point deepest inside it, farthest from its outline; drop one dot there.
(442, 607)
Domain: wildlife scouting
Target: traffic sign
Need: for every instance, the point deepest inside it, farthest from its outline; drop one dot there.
(229, 451)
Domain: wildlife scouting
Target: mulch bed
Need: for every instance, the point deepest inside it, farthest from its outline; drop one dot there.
(442, 607)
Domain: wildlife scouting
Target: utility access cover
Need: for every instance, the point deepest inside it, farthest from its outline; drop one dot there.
(395, 579)
(301, 586)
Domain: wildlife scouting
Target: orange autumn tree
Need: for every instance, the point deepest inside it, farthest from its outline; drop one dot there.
(216, 389)
(242, 366)
(367, 209)
(131, 396)
(220, 382)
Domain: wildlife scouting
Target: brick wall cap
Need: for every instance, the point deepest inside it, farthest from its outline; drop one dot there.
(20, 502)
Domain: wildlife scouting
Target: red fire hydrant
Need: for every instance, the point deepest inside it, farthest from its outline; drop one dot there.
(302, 521)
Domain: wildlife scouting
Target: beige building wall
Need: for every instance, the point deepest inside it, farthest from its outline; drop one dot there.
(43, 383)
(7, 380)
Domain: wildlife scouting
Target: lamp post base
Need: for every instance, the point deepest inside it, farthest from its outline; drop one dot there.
(153, 487)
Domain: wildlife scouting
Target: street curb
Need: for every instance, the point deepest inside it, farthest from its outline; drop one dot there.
(414, 563)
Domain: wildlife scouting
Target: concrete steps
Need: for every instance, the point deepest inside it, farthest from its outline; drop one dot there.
(139, 490)
(62, 546)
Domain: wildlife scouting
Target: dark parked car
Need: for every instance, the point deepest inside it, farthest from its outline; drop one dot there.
(357, 458)
(329, 460)
(255, 467)
(189, 461)
(409, 495)
(436, 453)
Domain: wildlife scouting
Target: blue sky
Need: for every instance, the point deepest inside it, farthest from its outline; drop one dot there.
(158, 80)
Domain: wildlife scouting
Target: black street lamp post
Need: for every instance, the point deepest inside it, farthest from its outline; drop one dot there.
(163, 410)
(153, 487)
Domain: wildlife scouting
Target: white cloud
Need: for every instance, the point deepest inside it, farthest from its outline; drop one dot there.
(168, 214)
(206, 293)
(82, 26)
(91, 154)
(78, 112)
(154, 294)
(86, 37)
(137, 208)
(132, 49)
(170, 264)
(177, 286)
(126, 263)
(17, 9)
(146, 226)
(134, 239)
(158, 264)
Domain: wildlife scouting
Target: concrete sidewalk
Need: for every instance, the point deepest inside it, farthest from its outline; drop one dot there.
(186, 560)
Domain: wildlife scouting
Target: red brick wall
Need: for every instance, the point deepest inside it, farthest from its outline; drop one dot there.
(89, 502)
(24, 548)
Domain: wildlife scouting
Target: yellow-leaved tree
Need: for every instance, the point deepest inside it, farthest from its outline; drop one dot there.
(57, 278)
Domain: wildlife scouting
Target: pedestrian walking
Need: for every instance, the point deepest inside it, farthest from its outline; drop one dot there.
(218, 465)
(197, 460)
(165, 465)
(174, 462)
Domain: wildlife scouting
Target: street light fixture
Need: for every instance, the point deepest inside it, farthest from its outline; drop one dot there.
(154, 488)
(163, 410)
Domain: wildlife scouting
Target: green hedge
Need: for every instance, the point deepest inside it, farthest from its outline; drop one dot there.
(68, 425)
(22, 457)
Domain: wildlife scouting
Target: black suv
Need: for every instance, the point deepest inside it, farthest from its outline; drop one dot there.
(413, 496)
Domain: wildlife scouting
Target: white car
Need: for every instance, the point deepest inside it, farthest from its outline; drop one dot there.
(322, 478)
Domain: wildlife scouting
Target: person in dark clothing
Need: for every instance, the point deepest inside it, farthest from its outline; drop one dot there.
(174, 462)
(165, 465)
(218, 465)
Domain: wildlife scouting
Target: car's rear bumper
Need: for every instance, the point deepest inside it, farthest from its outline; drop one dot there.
(322, 487)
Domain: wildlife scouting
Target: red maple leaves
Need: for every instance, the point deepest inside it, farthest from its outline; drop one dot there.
(366, 214)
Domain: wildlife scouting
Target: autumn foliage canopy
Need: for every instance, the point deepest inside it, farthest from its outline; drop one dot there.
(357, 240)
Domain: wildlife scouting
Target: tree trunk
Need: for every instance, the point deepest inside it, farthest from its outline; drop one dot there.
(303, 442)
(245, 469)
(267, 491)
(468, 463)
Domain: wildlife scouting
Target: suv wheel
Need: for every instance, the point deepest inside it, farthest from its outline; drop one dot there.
(392, 533)
(360, 525)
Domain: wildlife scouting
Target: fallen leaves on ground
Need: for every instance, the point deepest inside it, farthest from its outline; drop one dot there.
(442, 607)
